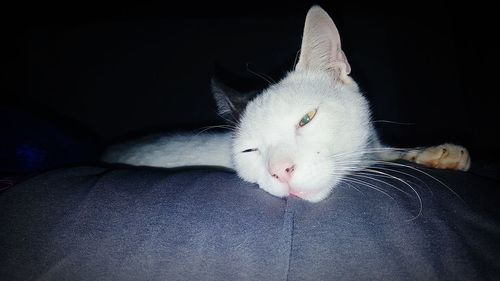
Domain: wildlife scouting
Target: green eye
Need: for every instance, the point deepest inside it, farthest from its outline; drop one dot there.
(307, 118)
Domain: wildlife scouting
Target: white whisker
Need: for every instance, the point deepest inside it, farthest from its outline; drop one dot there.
(414, 190)
(226, 127)
(371, 163)
(367, 184)
(409, 185)
(263, 76)
(367, 176)
(405, 174)
(392, 122)
(229, 121)
(371, 151)
(422, 172)
(360, 164)
(352, 186)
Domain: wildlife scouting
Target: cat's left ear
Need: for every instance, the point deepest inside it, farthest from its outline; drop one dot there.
(230, 103)
(321, 48)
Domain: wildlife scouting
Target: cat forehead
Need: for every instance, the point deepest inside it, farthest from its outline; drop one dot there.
(279, 106)
(293, 95)
(278, 110)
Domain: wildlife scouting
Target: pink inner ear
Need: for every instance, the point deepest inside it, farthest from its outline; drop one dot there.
(341, 57)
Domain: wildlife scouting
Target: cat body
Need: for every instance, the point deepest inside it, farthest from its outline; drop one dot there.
(176, 150)
(301, 136)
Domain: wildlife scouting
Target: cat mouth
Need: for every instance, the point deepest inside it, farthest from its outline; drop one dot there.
(295, 192)
(300, 194)
(307, 194)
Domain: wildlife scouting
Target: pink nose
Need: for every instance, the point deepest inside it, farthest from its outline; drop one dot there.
(282, 171)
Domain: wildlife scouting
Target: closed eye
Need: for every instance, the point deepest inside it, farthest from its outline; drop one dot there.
(249, 150)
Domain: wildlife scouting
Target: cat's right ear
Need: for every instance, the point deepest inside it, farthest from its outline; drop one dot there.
(230, 103)
(321, 49)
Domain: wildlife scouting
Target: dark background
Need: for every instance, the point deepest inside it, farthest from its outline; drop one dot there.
(78, 75)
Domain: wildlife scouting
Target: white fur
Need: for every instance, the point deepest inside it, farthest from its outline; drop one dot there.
(322, 152)
(174, 151)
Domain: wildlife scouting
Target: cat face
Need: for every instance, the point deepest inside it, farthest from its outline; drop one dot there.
(302, 135)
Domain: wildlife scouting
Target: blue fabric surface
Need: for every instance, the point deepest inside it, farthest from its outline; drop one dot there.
(97, 223)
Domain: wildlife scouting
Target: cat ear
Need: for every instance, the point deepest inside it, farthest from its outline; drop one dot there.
(230, 103)
(321, 48)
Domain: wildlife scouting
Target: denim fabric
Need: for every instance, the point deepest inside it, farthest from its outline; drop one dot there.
(97, 223)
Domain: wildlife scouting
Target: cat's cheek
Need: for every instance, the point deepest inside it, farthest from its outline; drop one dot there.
(247, 169)
(246, 175)
(273, 187)
(315, 192)
(309, 177)
(313, 185)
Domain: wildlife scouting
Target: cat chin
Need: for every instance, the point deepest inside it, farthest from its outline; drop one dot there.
(312, 196)
(276, 189)
(281, 190)
(314, 193)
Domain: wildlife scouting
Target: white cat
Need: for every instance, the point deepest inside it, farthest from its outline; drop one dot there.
(300, 136)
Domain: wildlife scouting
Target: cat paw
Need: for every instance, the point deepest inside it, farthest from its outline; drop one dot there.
(445, 156)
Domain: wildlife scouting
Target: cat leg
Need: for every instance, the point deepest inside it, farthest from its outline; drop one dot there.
(444, 156)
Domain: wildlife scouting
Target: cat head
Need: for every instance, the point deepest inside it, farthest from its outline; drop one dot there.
(301, 135)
